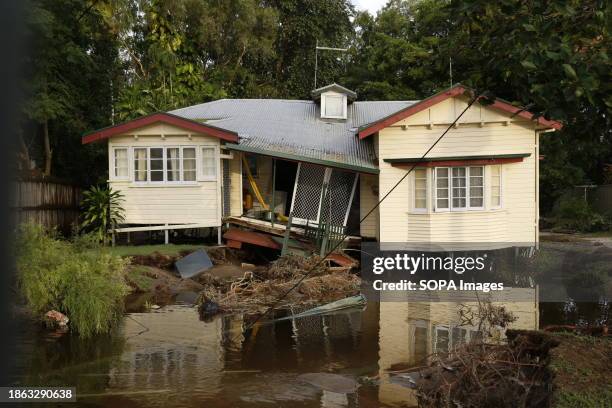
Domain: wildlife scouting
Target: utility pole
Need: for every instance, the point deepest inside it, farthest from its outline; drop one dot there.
(317, 48)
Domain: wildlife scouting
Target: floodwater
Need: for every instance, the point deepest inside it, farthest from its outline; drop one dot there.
(169, 357)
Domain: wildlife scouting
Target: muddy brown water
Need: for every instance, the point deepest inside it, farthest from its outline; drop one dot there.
(169, 357)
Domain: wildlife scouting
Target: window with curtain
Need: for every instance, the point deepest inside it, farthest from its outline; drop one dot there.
(165, 164)
(173, 164)
(459, 188)
(420, 189)
(140, 164)
(121, 163)
(189, 164)
(496, 186)
(209, 164)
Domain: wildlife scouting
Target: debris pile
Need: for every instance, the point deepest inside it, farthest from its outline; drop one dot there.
(265, 286)
(492, 375)
(56, 320)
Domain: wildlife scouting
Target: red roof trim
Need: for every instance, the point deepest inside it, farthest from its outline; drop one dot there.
(160, 117)
(439, 97)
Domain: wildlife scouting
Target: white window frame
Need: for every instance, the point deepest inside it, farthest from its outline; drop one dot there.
(196, 158)
(501, 187)
(469, 186)
(163, 159)
(165, 165)
(200, 156)
(324, 105)
(451, 207)
(435, 189)
(414, 197)
(133, 165)
(113, 168)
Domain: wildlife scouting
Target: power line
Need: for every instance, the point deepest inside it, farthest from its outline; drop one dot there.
(312, 268)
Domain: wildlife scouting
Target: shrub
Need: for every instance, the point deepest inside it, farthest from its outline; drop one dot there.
(574, 213)
(102, 211)
(84, 282)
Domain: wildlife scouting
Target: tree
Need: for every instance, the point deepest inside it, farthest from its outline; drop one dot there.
(553, 57)
(182, 52)
(303, 24)
(67, 80)
(396, 54)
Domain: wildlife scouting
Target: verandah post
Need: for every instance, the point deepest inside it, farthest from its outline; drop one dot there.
(272, 215)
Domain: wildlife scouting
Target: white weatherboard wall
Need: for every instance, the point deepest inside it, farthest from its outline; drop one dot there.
(196, 202)
(481, 131)
(368, 197)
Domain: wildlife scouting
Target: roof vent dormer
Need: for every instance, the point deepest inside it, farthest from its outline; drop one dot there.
(334, 100)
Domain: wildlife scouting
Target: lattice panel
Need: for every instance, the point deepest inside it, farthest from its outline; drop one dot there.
(339, 198)
(226, 187)
(308, 192)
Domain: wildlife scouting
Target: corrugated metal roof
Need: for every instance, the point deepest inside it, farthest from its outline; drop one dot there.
(294, 128)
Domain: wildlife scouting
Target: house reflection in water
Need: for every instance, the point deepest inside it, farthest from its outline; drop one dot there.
(216, 363)
(411, 331)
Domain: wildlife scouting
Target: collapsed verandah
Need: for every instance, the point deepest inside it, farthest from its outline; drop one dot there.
(320, 203)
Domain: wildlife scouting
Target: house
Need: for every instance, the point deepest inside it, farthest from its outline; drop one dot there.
(329, 160)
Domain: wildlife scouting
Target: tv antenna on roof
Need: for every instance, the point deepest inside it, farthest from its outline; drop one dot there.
(317, 48)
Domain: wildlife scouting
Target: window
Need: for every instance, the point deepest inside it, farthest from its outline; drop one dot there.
(156, 163)
(189, 164)
(120, 160)
(442, 195)
(165, 164)
(496, 186)
(476, 187)
(420, 189)
(140, 164)
(333, 106)
(209, 164)
(459, 188)
(173, 164)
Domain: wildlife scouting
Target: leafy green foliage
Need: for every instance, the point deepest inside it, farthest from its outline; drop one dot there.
(98, 63)
(553, 57)
(87, 285)
(69, 78)
(303, 23)
(396, 53)
(101, 211)
(574, 213)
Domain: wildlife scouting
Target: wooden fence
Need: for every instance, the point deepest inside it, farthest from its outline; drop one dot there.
(53, 204)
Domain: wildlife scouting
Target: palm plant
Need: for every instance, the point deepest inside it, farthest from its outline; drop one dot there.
(102, 211)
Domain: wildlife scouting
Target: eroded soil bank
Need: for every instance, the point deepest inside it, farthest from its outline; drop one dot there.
(236, 285)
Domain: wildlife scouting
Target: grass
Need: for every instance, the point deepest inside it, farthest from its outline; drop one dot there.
(77, 278)
(139, 278)
(582, 368)
(589, 399)
(169, 249)
(599, 234)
